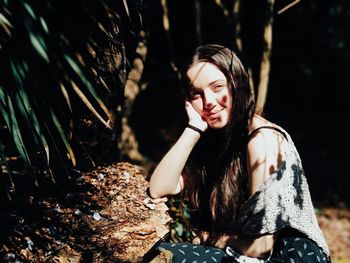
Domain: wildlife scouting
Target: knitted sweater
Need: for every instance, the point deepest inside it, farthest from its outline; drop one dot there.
(283, 201)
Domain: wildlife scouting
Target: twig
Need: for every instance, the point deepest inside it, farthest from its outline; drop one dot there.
(288, 6)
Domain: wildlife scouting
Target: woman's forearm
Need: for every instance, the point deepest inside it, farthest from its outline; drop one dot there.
(165, 179)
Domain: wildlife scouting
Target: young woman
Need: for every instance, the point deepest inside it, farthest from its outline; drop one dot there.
(240, 174)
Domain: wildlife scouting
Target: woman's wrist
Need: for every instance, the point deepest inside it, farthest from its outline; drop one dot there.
(195, 128)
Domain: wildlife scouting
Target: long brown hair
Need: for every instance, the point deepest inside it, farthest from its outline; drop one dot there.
(215, 173)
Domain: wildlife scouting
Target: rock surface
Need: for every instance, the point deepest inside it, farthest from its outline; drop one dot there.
(132, 222)
(107, 217)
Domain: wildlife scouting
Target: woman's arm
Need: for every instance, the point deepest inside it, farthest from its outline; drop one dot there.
(166, 178)
(264, 156)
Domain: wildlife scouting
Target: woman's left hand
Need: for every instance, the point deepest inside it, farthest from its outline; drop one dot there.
(250, 246)
(201, 238)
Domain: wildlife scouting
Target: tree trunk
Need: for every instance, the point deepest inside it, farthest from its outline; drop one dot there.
(198, 22)
(238, 39)
(166, 26)
(266, 59)
(129, 145)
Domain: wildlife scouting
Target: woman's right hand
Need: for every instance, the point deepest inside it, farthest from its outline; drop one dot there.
(219, 240)
(194, 117)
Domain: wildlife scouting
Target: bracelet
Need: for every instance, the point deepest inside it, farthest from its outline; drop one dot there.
(194, 128)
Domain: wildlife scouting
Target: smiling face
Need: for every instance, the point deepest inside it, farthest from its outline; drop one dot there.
(210, 94)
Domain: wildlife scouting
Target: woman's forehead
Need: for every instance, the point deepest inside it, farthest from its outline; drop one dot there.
(203, 74)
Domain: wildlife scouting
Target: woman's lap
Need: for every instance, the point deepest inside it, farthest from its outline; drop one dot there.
(287, 249)
(190, 253)
(296, 249)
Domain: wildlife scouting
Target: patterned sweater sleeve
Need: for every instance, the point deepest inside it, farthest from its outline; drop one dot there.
(283, 201)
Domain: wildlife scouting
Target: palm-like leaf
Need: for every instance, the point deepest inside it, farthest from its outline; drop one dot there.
(51, 53)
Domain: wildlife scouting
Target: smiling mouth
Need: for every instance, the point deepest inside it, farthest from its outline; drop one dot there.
(214, 115)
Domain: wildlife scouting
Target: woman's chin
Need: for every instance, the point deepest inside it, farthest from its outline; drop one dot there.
(218, 124)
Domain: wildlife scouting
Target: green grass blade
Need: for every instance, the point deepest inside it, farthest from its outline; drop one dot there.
(11, 120)
(15, 131)
(27, 111)
(88, 104)
(32, 122)
(39, 45)
(44, 25)
(90, 88)
(63, 137)
(29, 10)
(3, 106)
(5, 24)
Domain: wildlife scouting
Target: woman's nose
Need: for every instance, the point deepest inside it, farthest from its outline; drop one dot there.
(209, 99)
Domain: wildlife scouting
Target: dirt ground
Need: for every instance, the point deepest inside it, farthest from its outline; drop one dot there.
(100, 219)
(335, 224)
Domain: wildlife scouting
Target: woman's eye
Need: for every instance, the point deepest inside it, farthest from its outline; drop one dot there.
(195, 95)
(218, 87)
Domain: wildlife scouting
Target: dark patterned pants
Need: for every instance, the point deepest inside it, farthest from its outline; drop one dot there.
(287, 249)
(298, 249)
(189, 253)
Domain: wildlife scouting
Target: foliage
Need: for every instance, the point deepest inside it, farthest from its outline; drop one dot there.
(58, 60)
(180, 226)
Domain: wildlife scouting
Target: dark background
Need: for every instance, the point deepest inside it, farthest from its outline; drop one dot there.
(309, 80)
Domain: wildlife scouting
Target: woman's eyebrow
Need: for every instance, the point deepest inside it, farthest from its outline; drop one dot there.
(210, 84)
(217, 81)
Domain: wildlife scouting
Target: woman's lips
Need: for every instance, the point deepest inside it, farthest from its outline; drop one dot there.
(213, 116)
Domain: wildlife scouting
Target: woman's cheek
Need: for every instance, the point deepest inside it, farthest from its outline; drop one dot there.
(198, 106)
(225, 101)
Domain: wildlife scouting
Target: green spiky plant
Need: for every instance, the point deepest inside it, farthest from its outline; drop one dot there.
(59, 59)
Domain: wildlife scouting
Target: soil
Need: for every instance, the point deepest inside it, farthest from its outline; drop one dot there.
(107, 217)
(335, 225)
